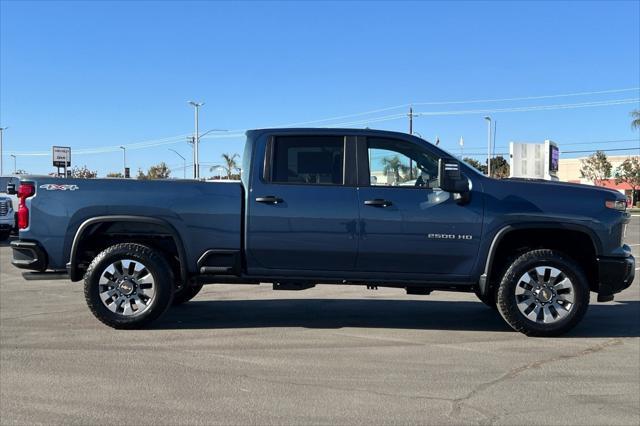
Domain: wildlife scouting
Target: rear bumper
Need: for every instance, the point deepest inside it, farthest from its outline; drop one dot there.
(615, 274)
(28, 255)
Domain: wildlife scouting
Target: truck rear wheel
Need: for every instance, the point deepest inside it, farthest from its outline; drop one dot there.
(543, 293)
(128, 286)
(185, 294)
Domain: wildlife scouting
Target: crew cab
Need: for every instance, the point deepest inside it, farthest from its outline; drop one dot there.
(331, 206)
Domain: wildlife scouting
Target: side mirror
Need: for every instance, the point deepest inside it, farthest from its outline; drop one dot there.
(449, 177)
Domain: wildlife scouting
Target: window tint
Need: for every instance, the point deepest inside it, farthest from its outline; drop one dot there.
(394, 162)
(308, 160)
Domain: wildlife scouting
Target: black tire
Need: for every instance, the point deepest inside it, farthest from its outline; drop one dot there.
(506, 296)
(154, 263)
(488, 299)
(4, 235)
(185, 294)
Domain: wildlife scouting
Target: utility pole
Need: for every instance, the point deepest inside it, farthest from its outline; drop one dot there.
(461, 147)
(196, 139)
(15, 169)
(2, 129)
(411, 133)
(124, 161)
(410, 120)
(488, 145)
(191, 142)
(184, 163)
(493, 144)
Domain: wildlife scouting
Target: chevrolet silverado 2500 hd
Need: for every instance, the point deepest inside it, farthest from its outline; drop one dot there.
(335, 206)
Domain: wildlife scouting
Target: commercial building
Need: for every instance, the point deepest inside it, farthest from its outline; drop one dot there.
(569, 171)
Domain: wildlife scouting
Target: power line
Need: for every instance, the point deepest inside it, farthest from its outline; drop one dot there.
(494, 110)
(604, 150)
(573, 143)
(564, 152)
(535, 108)
(240, 132)
(473, 101)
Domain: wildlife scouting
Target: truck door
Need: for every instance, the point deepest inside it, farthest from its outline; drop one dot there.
(302, 210)
(408, 225)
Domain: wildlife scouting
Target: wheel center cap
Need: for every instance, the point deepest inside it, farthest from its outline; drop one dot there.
(126, 287)
(544, 295)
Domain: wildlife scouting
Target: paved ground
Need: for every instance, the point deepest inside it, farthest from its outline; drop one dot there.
(247, 355)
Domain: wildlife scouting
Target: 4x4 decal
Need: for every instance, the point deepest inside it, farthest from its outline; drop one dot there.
(56, 187)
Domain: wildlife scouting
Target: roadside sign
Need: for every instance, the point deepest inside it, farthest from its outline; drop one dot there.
(61, 156)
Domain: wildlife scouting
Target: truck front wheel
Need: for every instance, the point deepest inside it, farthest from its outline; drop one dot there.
(128, 285)
(543, 293)
(488, 299)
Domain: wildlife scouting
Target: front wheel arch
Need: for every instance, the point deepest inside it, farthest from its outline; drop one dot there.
(575, 241)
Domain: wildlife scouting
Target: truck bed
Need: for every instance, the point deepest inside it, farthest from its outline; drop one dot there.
(204, 214)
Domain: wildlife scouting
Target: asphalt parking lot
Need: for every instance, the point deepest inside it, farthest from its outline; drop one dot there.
(248, 355)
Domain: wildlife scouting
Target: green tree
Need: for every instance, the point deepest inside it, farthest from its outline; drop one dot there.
(500, 167)
(115, 175)
(629, 173)
(83, 173)
(158, 171)
(230, 165)
(475, 164)
(596, 168)
(635, 119)
(394, 165)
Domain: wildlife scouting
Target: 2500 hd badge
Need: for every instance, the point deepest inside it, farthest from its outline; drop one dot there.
(450, 237)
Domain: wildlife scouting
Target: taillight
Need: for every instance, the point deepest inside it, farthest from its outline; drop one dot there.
(25, 191)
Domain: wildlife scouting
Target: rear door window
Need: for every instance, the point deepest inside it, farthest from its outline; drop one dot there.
(310, 160)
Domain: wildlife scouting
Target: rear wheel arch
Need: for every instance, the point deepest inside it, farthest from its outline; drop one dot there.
(96, 226)
(575, 241)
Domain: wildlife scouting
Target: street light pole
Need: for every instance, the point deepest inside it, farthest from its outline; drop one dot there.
(15, 169)
(124, 161)
(184, 163)
(488, 145)
(196, 139)
(2, 129)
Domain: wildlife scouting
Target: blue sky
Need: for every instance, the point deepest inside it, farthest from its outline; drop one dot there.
(102, 74)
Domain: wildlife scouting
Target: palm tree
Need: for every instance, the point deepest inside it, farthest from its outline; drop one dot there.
(635, 115)
(394, 165)
(231, 165)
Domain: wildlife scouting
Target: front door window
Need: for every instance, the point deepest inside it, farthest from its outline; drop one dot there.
(397, 163)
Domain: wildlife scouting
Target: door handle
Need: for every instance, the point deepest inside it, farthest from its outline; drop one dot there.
(269, 199)
(378, 202)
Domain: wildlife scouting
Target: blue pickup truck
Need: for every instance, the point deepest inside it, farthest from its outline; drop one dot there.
(331, 206)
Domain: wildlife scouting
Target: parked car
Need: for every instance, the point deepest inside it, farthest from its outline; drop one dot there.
(7, 217)
(308, 211)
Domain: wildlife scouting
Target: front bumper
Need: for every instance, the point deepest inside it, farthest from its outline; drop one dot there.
(28, 255)
(615, 274)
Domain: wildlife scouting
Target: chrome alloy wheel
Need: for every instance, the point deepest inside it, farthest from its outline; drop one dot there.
(126, 287)
(545, 295)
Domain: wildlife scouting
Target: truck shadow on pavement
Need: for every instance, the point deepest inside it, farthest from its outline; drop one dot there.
(620, 319)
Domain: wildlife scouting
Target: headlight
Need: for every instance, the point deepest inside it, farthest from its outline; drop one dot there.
(619, 205)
